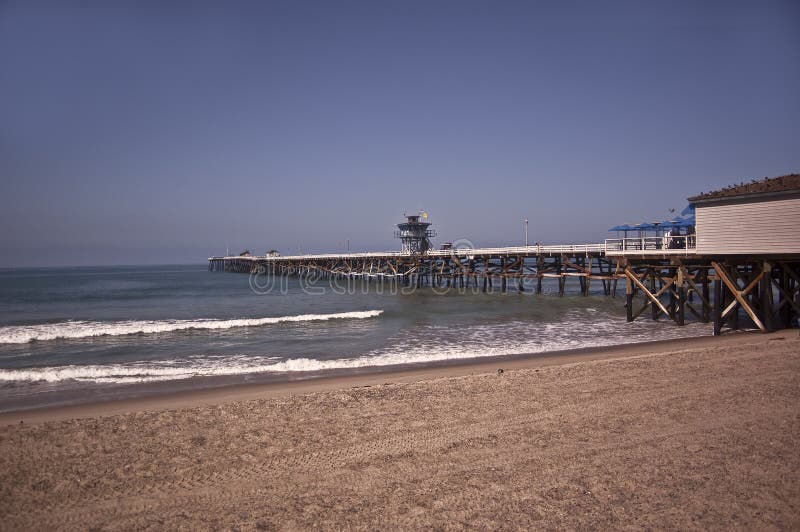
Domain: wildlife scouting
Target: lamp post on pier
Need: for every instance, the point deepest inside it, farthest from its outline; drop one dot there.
(526, 232)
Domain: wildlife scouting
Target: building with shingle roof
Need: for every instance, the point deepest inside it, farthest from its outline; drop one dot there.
(757, 218)
(757, 188)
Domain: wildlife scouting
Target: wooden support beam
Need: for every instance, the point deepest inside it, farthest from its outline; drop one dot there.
(694, 312)
(787, 299)
(765, 292)
(580, 268)
(718, 302)
(653, 307)
(640, 311)
(539, 267)
(616, 276)
(706, 297)
(629, 299)
(789, 287)
(739, 295)
(790, 271)
(681, 316)
(632, 277)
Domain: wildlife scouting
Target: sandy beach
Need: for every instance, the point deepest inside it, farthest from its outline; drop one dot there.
(691, 434)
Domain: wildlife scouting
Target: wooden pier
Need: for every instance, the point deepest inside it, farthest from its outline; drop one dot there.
(739, 267)
(658, 283)
(487, 269)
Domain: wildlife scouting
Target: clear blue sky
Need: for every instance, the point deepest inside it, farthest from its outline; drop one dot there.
(147, 132)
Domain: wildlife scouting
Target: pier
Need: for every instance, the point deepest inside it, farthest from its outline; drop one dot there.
(740, 256)
(486, 268)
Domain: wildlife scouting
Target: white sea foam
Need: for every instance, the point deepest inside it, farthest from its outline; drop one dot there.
(22, 334)
(480, 342)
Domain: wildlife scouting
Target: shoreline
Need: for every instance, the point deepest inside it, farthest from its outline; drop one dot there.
(303, 384)
(698, 434)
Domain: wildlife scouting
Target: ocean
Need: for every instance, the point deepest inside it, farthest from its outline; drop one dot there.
(72, 335)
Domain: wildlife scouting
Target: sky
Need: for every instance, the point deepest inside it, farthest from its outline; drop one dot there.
(145, 132)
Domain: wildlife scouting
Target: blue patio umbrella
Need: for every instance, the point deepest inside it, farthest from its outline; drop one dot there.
(678, 222)
(623, 227)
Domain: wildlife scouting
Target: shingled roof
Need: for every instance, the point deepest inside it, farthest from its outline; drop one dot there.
(768, 185)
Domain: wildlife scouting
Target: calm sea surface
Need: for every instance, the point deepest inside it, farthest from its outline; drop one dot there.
(70, 335)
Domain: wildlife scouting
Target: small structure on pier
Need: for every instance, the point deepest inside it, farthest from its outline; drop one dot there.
(414, 235)
(761, 217)
(676, 235)
(744, 238)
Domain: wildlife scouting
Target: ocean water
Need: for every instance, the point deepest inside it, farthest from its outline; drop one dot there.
(69, 335)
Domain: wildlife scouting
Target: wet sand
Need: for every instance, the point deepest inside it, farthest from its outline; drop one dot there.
(698, 433)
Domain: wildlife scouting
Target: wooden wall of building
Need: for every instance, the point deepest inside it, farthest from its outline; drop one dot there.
(743, 227)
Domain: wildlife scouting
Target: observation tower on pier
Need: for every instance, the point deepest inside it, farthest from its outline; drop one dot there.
(414, 235)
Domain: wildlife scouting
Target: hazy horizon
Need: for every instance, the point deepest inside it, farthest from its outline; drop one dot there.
(141, 133)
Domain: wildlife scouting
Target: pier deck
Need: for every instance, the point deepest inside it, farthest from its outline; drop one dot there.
(670, 280)
(528, 251)
(449, 268)
(742, 238)
(611, 247)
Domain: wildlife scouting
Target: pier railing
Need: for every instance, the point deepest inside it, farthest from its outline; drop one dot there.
(669, 245)
(569, 249)
(652, 245)
(519, 250)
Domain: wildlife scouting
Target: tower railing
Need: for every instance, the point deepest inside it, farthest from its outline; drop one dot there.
(406, 233)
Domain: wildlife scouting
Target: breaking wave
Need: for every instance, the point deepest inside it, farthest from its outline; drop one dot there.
(555, 337)
(22, 334)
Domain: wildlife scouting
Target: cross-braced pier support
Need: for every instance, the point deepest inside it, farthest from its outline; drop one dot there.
(518, 272)
(731, 291)
(764, 291)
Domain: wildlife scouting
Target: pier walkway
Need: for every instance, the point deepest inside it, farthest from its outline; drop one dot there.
(465, 267)
(742, 239)
(611, 247)
(667, 277)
